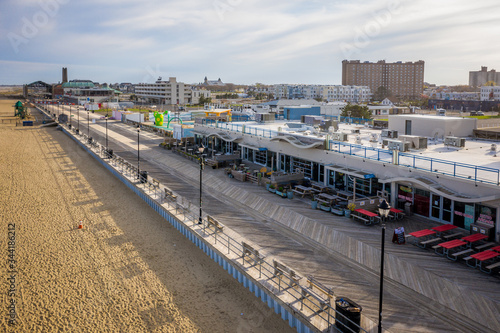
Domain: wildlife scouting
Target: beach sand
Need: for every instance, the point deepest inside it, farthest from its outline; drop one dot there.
(127, 270)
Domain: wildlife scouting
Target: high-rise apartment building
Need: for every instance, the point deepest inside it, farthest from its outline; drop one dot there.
(402, 79)
(479, 78)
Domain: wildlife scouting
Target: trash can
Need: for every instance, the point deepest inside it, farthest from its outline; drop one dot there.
(348, 315)
(144, 176)
(408, 208)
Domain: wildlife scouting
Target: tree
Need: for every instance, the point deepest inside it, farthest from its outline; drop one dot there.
(204, 100)
(357, 111)
(490, 83)
(381, 93)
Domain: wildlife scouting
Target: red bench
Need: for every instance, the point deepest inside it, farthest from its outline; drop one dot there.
(474, 238)
(447, 246)
(481, 257)
(417, 235)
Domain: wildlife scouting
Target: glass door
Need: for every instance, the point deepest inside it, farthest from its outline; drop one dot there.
(436, 206)
(447, 209)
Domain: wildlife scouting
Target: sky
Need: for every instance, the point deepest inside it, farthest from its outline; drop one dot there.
(242, 42)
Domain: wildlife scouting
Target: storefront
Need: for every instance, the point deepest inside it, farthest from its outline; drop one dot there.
(366, 184)
(443, 209)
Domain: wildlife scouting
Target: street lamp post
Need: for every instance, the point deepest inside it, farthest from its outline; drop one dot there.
(138, 156)
(78, 110)
(88, 124)
(384, 209)
(106, 132)
(70, 116)
(201, 149)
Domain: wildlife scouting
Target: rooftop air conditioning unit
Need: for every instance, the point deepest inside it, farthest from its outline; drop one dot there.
(416, 142)
(355, 131)
(454, 141)
(398, 145)
(339, 136)
(390, 134)
(264, 117)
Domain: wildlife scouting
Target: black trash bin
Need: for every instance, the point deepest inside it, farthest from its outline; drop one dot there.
(144, 176)
(348, 316)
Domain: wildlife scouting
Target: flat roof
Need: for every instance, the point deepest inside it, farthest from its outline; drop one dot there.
(476, 152)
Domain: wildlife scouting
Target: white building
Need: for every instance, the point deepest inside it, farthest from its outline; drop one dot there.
(170, 92)
(329, 93)
(490, 93)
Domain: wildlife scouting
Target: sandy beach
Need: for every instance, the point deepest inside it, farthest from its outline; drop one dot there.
(127, 270)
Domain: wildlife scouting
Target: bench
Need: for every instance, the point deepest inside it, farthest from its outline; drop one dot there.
(169, 194)
(430, 241)
(323, 302)
(250, 251)
(495, 265)
(301, 193)
(327, 293)
(484, 246)
(280, 269)
(361, 218)
(216, 224)
(457, 254)
(455, 235)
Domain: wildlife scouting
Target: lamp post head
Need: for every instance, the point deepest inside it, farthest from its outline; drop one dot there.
(384, 208)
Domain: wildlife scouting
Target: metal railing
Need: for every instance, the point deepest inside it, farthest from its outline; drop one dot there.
(456, 169)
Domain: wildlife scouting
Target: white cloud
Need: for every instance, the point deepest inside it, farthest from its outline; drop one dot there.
(253, 40)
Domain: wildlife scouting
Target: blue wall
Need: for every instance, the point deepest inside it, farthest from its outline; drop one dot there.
(294, 113)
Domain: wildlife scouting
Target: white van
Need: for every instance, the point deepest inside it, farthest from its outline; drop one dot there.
(440, 112)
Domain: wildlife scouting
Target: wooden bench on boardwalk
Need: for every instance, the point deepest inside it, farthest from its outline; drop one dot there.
(212, 222)
(323, 297)
(281, 269)
(169, 194)
(252, 253)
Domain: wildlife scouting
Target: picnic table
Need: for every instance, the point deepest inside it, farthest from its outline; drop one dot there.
(425, 236)
(366, 216)
(474, 238)
(449, 245)
(344, 194)
(496, 248)
(481, 258)
(302, 190)
(442, 228)
(326, 198)
(398, 213)
(320, 188)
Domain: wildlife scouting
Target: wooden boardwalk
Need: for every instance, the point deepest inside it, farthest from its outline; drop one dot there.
(423, 292)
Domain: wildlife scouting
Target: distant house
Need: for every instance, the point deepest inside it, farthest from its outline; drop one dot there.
(387, 101)
(208, 82)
